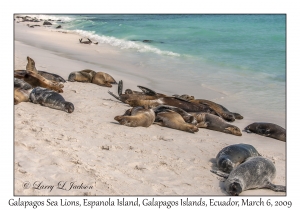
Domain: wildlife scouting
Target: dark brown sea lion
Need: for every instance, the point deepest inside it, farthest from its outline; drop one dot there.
(255, 173)
(171, 101)
(219, 109)
(85, 75)
(85, 42)
(103, 79)
(35, 80)
(134, 95)
(233, 155)
(50, 99)
(137, 116)
(174, 120)
(213, 122)
(268, 130)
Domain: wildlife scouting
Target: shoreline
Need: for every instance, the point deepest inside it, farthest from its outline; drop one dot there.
(156, 160)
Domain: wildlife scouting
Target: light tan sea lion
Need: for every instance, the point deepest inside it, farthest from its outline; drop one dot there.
(187, 117)
(255, 173)
(174, 120)
(267, 129)
(103, 79)
(85, 75)
(219, 109)
(213, 122)
(137, 116)
(134, 95)
(35, 80)
(31, 65)
(21, 95)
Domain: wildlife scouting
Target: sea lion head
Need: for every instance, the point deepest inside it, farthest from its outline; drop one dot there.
(72, 77)
(128, 91)
(225, 164)
(233, 130)
(237, 116)
(228, 117)
(69, 107)
(234, 188)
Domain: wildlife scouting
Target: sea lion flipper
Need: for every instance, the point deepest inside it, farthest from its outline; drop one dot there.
(202, 124)
(219, 173)
(276, 188)
(120, 87)
(147, 91)
(114, 95)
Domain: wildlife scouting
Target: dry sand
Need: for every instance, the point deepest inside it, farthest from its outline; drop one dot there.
(89, 147)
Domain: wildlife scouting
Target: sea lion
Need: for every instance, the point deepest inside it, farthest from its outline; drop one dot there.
(231, 156)
(171, 101)
(50, 99)
(219, 109)
(35, 80)
(137, 116)
(268, 130)
(85, 75)
(255, 172)
(85, 42)
(31, 65)
(103, 79)
(174, 120)
(187, 117)
(213, 122)
(47, 75)
(130, 95)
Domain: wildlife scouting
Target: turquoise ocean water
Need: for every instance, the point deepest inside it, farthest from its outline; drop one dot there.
(240, 55)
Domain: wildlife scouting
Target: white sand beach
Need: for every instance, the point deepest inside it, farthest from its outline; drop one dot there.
(88, 147)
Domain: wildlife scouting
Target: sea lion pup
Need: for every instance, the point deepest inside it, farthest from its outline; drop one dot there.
(187, 117)
(147, 94)
(103, 79)
(171, 101)
(219, 109)
(137, 116)
(50, 99)
(85, 75)
(31, 67)
(233, 155)
(216, 123)
(268, 130)
(255, 172)
(35, 80)
(171, 119)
